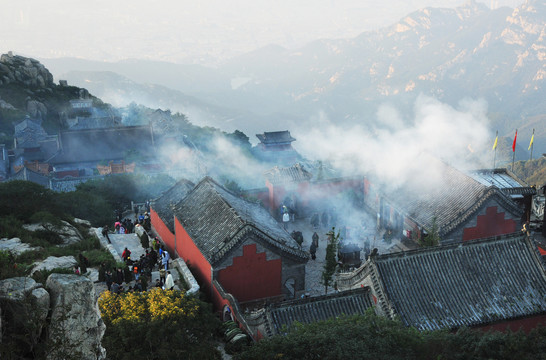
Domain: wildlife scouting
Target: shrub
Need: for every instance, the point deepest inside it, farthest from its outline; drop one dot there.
(42, 275)
(167, 324)
(8, 266)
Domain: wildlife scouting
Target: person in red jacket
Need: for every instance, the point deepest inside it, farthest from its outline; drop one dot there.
(126, 254)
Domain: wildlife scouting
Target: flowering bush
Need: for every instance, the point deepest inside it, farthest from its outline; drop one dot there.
(158, 324)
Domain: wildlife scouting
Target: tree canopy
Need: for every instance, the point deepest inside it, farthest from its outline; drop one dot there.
(370, 336)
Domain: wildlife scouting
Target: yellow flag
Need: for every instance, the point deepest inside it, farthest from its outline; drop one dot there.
(495, 144)
(531, 143)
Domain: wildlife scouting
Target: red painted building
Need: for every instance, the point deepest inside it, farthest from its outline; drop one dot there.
(293, 186)
(162, 212)
(462, 206)
(232, 242)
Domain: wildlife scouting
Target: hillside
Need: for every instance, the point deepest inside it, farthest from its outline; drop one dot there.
(533, 172)
(27, 88)
(450, 54)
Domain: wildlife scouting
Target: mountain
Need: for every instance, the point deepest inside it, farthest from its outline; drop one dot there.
(498, 55)
(450, 54)
(120, 91)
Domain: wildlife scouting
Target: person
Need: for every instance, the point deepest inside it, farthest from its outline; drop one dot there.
(115, 288)
(76, 270)
(120, 276)
(165, 260)
(315, 239)
(136, 270)
(169, 282)
(313, 251)
(105, 233)
(126, 254)
(525, 229)
(285, 217)
(315, 221)
(153, 258)
(158, 283)
(108, 279)
(324, 219)
(84, 263)
(138, 286)
(162, 274)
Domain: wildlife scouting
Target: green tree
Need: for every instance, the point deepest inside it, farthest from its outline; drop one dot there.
(373, 337)
(21, 199)
(433, 237)
(331, 264)
(239, 138)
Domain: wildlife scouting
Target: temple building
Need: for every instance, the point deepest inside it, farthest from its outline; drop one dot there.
(491, 283)
(276, 147)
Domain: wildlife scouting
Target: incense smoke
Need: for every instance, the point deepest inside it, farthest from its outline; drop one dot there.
(389, 149)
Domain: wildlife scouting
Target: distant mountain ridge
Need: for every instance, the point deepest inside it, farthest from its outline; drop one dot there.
(451, 54)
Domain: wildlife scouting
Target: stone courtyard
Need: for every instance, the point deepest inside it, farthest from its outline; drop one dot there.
(366, 231)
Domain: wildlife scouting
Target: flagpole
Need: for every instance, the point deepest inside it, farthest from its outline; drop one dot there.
(514, 149)
(495, 147)
(532, 144)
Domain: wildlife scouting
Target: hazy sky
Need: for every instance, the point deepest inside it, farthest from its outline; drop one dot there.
(205, 31)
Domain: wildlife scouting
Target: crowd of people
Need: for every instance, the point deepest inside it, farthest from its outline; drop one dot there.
(156, 257)
(140, 270)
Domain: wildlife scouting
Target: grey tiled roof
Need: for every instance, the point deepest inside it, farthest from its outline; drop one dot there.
(472, 283)
(163, 205)
(451, 199)
(315, 309)
(29, 133)
(104, 144)
(217, 220)
(503, 179)
(275, 137)
(293, 174)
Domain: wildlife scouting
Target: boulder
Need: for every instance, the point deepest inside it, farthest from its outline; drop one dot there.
(76, 325)
(15, 246)
(55, 262)
(68, 233)
(6, 105)
(36, 109)
(25, 305)
(82, 222)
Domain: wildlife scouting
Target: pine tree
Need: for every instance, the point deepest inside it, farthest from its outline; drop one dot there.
(331, 263)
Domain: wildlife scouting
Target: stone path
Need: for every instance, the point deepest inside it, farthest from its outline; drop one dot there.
(132, 242)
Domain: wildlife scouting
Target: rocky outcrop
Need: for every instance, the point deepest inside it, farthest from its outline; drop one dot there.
(15, 246)
(75, 318)
(25, 306)
(61, 320)
(36, 109)
(67, 232)
(55, 262)
(28, 72)
(6, 105)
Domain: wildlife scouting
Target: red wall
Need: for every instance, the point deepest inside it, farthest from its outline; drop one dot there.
(252, 276)
(189, 252)
(314, 191)
(490, 224)
(162, 230)
(525, 324)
